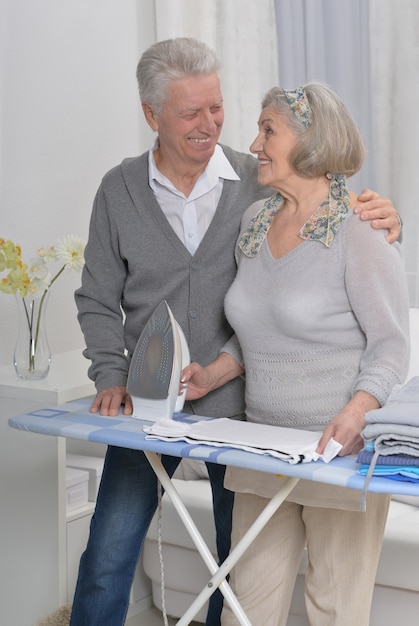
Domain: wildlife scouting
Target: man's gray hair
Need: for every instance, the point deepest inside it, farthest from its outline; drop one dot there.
(169, 60)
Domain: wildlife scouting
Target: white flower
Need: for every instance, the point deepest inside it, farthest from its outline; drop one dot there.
(48, 254)
(38, 286)
(38, 268)
(36, 281)
(70, 250)
(38, 278)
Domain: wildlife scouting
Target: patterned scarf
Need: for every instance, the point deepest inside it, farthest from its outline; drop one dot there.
(322, 225)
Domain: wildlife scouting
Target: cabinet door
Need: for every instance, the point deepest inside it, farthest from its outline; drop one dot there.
(29, 520)
(77, 535)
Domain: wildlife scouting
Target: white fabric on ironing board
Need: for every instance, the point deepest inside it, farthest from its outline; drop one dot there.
(289, 444)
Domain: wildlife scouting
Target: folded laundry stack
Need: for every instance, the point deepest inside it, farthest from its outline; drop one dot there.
(392, 436)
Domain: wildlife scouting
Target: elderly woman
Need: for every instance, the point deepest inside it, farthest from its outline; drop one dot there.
(320, 312)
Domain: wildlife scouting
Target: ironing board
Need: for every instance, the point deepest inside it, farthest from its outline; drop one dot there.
(73, 420)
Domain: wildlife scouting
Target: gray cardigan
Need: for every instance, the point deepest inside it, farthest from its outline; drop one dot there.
(134, 260)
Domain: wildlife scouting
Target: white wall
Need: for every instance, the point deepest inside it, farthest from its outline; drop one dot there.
(69, 111)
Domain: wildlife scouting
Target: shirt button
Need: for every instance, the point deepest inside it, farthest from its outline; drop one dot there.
(193, 314)
(194, 266)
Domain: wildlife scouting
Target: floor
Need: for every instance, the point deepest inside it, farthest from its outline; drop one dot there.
(152, 617)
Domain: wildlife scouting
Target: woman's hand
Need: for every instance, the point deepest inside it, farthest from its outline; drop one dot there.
(197, 379)
(371, 206)
(201, 380)
(346, 426)
(346, 429)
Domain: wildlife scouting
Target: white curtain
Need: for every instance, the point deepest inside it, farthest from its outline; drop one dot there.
(368, 51)
(242, 32)
(327, 41)
(394, 36)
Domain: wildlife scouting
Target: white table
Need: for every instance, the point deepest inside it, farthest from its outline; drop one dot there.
(73, 420)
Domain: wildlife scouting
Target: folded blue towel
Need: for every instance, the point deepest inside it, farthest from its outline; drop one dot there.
(366, 457)
(390, 471)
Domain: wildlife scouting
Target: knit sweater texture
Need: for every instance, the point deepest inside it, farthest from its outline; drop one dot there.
(134, 260)
(314, 327)
(319, 324)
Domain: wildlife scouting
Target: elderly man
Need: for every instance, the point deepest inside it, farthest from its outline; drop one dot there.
(164, 226)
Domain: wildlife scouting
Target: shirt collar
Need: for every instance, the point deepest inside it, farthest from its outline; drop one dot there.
(218, 167)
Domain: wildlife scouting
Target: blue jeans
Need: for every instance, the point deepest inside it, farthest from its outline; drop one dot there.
(126, 503)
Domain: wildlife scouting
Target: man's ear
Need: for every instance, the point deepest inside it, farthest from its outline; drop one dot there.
(150, 116)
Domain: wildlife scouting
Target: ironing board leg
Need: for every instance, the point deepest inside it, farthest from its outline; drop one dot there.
(219, 572)
(225, 567)
(196, 537)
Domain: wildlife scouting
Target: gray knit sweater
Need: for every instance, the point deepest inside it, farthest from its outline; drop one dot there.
(134, 260)
(319, 324)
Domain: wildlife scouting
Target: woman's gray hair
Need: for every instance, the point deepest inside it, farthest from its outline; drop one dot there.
(170, 60)
(332, 142)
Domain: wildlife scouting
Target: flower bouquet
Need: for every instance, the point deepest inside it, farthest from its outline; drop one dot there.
(31, 284)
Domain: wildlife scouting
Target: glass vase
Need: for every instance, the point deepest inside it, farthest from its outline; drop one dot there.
(32, 356)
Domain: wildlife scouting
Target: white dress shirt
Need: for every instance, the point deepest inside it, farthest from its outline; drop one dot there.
(190, 216)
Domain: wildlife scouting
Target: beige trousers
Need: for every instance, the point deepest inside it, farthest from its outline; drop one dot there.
(343, 551)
